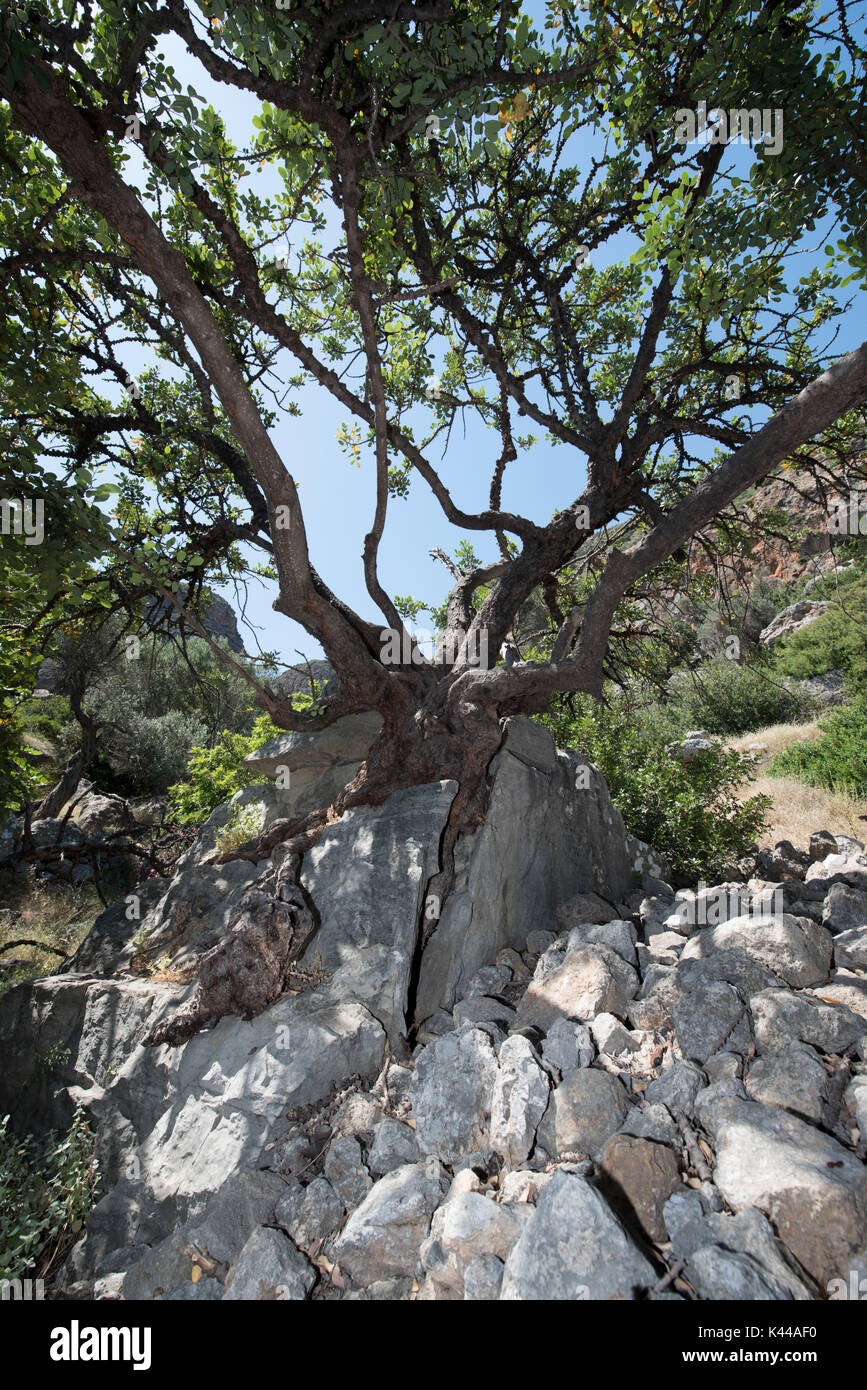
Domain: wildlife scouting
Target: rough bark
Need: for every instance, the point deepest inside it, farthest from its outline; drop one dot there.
(248, 971)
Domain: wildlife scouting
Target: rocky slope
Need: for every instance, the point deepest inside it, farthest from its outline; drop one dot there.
(608, 1091)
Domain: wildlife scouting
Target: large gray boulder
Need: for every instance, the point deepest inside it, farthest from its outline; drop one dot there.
(367, 876)
(519, 1101)
(693, 1227)
(245, 1202)
(796, 949)
(175, 1125)
(172, 921)
(270, 1267)
(382, 1237)
(584, 1111)
(99, 813)
(550, 832)
(813, 1190)
(591, 980)
(780, 1017)
(469, 1225)
(574, 1247)
(452, 1093)
(313, 768)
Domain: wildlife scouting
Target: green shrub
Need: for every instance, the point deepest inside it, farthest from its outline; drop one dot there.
(688, 811)
(215, 774)
(835, 641)
(726, 698)
(244, 823)
(746, 613)
(45, 717)
(838, 758)
(46, 1193)
(148, 754)
(152, 710)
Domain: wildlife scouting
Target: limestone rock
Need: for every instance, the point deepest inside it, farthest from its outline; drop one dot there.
(584, 908)
(573, 1247)
(692, 1225)
(794, 948)
(466, 1226)
(347, 740)
(483, 1279)
(241, 1206)
(812, 1189)
(591, 980)
(845, 909)
(717, 1273)
(792, 619)
(394, 1144)
(346, 1172)
(452, 1090)
(519, 1101)
(617, 934)
(309, 1214)
(584, 1111)
(779, 1017)
(543, 840)
(652, 1121)
(382, 1237)
(708, 1017)
(643, 1173)
(847, 988)
(99, 813)
(367, 875)
(568, 1045)
(792, 1079)
(676, 1088)
(850, 949)
(269, 1268)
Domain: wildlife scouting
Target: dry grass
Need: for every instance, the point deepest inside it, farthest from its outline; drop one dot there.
(798, 810)
(776, 737)
(57, 915)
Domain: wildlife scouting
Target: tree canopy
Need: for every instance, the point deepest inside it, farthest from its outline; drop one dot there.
(487, 216)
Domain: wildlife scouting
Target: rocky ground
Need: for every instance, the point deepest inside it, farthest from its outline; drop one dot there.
(610, 1093)
(641, 1107)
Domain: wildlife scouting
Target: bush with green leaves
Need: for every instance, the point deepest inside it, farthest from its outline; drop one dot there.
(838, 758)
(689, 811)
(150, 712)
(243, 823)
(215, 774)
(837, 640)
(726, 698)
(46, 1193)
(744, 615)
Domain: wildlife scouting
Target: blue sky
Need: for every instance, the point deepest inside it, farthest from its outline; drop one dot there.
(338, 499)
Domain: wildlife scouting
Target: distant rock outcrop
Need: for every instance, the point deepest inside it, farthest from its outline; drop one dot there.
(218, 620)
(792, 619)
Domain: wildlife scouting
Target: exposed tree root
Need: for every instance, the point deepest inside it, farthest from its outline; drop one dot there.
(248, 971)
